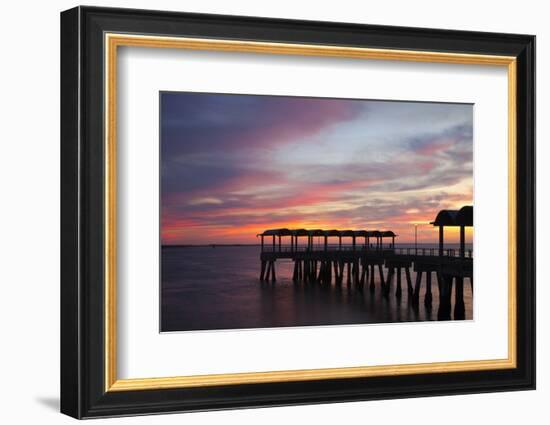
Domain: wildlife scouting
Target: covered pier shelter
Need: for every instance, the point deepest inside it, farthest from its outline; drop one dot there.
(462, 218)
(276, 237)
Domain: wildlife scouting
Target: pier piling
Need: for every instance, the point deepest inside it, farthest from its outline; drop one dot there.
(416, 296)
(459, 309)
(428, 297)
(262, 272)
(409, 281)
(398, 283)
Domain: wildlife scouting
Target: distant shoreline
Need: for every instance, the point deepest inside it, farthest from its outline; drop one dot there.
(209, 245)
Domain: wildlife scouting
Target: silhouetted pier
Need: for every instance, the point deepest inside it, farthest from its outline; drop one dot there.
(356, 256)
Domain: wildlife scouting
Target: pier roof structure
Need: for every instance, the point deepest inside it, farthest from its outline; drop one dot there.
(278, 232)
(310, 234)
(455, 218)
(332, 232)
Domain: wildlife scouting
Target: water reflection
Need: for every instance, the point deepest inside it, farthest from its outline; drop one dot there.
(204, 288)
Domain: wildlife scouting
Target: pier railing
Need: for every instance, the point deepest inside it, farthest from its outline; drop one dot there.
(447, 252)
(321, 248)
(409, 251)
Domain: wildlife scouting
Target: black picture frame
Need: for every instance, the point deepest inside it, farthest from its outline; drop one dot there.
(83, 392)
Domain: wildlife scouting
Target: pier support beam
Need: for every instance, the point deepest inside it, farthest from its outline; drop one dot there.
(418, 283)
(409, 282)
(262, 271)
(440, 282)
(382, 280)
(356, 272)
(364, 273)
(459, 310)
(398, 291)
(387, 285)
(428, 297)
(444, 312)
(268, 271)
(341, 267)
(307, 271)
(318, 275)
(273, 278)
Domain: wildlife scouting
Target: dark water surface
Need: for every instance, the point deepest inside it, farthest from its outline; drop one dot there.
(205, 288)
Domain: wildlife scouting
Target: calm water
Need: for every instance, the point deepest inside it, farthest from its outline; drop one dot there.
(205, 288)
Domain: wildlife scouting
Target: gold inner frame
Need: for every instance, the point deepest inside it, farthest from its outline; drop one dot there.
(113, 41)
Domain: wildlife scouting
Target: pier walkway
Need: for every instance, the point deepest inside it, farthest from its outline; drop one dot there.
(359, 255)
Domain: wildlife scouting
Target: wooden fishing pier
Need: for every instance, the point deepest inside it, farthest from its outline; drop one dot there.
(356, 256)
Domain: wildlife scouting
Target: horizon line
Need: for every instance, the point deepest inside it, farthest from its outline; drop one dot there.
(259, 244)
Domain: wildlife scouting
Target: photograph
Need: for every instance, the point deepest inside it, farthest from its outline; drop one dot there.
(286, 211)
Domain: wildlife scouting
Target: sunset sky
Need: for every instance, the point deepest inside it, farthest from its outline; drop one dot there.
(235, 165)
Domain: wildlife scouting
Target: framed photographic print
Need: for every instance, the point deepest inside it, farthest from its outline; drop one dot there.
(261, 212)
